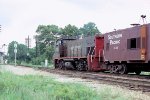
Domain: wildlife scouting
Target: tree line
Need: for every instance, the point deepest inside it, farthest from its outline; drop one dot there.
(45, 38)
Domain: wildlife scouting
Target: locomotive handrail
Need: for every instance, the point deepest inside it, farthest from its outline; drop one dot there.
(92, 53)
(99, 55)
(89, 51)
(104, 56)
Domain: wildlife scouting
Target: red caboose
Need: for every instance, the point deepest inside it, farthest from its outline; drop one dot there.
(128, 50)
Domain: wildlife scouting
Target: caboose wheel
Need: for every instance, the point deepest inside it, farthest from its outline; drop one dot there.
(112, 68)
(123, 69)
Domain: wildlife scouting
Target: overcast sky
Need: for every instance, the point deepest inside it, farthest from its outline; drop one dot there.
(20, 18)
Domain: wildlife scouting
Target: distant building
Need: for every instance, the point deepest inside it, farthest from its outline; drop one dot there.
(1, 57)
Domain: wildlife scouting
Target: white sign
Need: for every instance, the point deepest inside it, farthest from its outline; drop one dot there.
(15, 45)
(15, 50)
(46, 62)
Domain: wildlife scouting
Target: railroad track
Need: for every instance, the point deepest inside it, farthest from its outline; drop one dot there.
(132, 83)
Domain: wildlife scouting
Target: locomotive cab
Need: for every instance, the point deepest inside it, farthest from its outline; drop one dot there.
(60, 50)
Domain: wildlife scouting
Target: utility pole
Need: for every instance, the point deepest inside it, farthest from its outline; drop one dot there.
(36, 44)
(28, 43)
(28, 46)
(15, 51)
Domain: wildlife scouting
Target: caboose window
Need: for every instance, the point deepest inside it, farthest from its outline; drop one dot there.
(133, 43)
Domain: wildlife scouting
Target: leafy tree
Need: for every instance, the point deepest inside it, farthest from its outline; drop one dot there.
(48, 29)
(32, 52)
(46, 38)
(49, 52)
(21, 51)
(11, 50)
(70, 30)
(89, 29)
(47, 34)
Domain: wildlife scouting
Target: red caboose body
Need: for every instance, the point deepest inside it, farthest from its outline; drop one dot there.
(128, 50)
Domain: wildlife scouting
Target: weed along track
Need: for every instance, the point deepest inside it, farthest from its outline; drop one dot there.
(137, 83)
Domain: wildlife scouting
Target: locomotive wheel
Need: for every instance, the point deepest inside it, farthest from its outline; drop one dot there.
(82, 66)
(123, 69)
(61, 64)
(86, 67)
(56, 64)
(79, 67)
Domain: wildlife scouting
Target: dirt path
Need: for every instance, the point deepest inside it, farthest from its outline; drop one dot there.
(19, 70)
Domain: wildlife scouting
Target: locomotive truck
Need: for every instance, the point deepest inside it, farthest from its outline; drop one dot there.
(122, 51)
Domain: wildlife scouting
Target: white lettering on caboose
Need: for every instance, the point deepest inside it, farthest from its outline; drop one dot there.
(114, 39)
(111, 37)
(114, 42)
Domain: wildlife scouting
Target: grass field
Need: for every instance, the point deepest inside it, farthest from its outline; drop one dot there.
(34, 87)
(36, 66)
(13, 87)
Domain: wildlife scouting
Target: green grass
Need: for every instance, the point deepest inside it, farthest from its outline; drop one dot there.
(31, 87)
(35, 66)
(13, 87)
(26, 64)
(30, 65)
(145, 73)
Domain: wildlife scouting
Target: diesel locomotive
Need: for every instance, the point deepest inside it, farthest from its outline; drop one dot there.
(121, 51)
